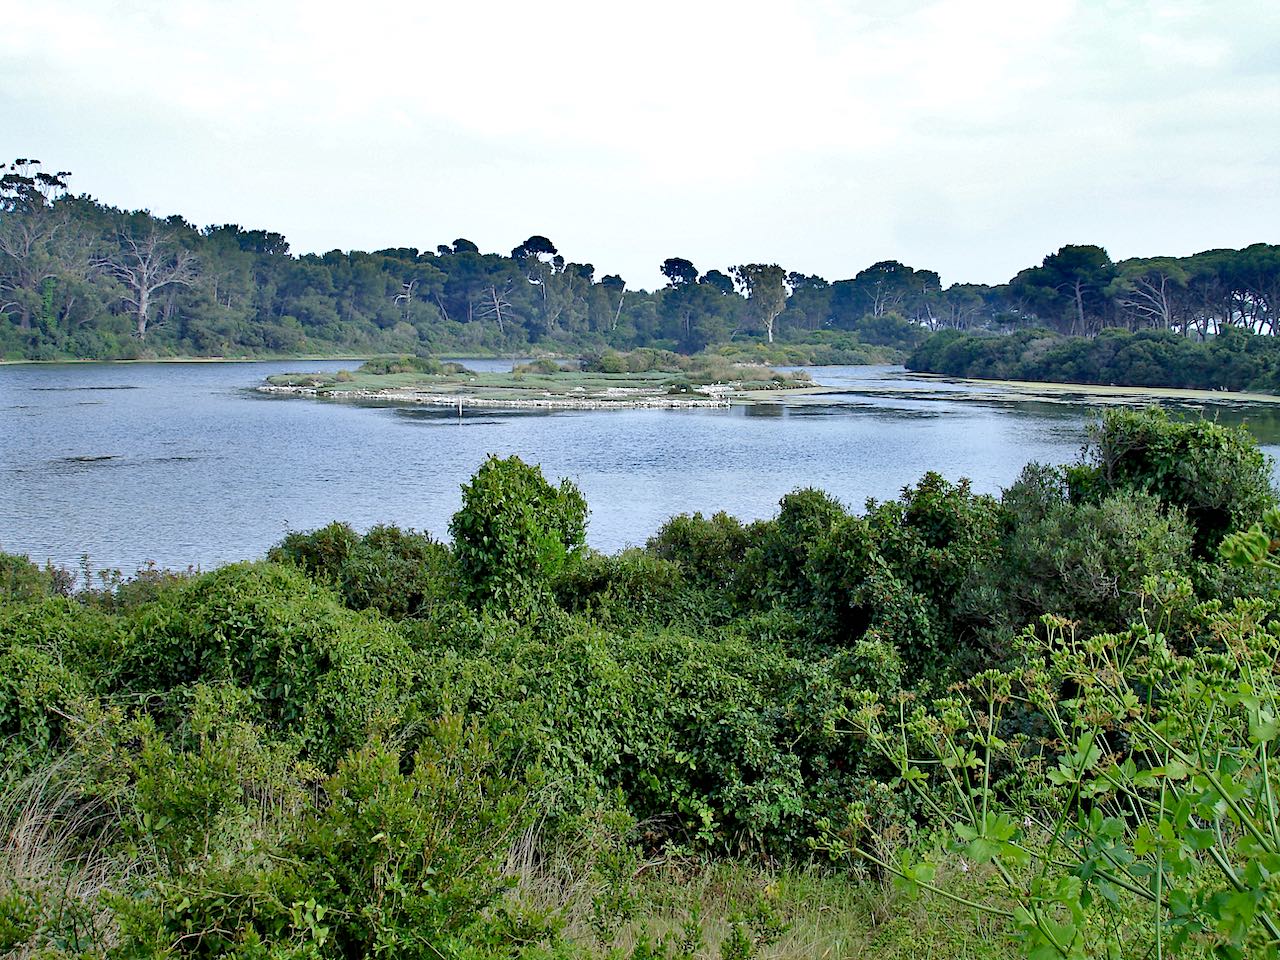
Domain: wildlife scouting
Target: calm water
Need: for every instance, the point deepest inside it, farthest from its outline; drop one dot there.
(183, 464)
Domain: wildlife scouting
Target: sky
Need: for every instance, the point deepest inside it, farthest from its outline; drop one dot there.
(971, 137)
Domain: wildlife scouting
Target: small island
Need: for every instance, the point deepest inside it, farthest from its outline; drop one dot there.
(639, 379)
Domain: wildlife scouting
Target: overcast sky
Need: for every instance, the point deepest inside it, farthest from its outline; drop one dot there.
(968, 136)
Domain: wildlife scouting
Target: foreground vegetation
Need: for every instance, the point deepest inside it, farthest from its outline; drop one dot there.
(1041, 724)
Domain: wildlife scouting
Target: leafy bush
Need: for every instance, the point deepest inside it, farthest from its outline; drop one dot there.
(916, 573)
(399, 573)
(427, 365)
(708, 549)
(1086, 562)
(20, 579)
(392, 854)
(1153, 791)
(1216, 474)
(515, 531)
(774, 565)
(628, 590)
(317, 670)
(543, 366)
(37, 694)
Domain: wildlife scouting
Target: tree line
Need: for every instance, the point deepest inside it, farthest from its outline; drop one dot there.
(80, 278)
(1234, 359)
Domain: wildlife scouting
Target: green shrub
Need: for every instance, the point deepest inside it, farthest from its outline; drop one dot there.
(37, 696)
(515, 531)
(399, 573)
(543, 366)
(1086, 562)
(317, 670)
(628, 590)
(393, 854)
(54, 653)
(386, 365)
(1216, 474)
(708, 549)
(20, 579)
(774, 564)
(410, 863)
(1152, 813)
(719, 742)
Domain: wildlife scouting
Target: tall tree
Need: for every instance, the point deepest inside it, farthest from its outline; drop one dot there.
(29, 227)
(679, 271)
(1070, 288)
(145, 264)
(764, 285)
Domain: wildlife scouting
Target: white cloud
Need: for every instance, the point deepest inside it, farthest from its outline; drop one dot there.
(971, 137)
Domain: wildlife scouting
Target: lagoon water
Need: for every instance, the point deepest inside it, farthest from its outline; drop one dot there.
(182, 463)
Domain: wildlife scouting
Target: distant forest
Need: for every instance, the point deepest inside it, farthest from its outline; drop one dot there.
(79, 278)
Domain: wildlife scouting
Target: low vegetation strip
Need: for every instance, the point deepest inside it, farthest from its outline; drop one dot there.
(646, 378)
(1233, 360)
(1038, 724)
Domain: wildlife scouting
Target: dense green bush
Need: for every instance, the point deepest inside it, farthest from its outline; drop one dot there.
(1235, 359)
(1087, 562)
(774, 565)
(399, 573)
(1216, 474)
(515, 531)
(392, 854)
(428, 365)
(20, 579)
(543, 366)
(317, 670)
(631, 589)
(699, 734)
(708, 549)
(37, 693)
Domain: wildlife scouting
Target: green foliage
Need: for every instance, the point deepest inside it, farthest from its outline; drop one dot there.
(1151, 792)
(1233, 360)
(36, 695)
(409, 863)
(629, 590)
(399, 573)
(543, 366)
(775, 563)
(317, 670)
(392, 854)
(1216, 474)
(240, 292)
(20, 579)
(515, 531)
(1086, 561)
(427, 365)
(707, 549)
(915, 573)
